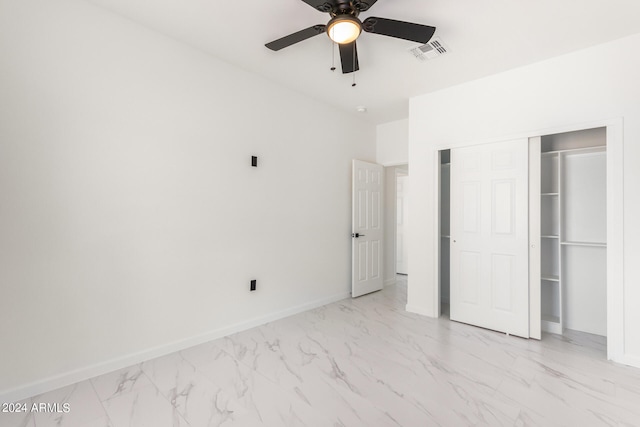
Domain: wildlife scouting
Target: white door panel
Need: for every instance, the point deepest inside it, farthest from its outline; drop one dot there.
(469, 277)
(367, 228)
(489, 236)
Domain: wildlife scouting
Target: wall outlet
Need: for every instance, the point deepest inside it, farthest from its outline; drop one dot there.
(253, 285)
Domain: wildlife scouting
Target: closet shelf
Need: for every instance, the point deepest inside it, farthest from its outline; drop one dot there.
(445, 237)
(588, 244)
(549, 194)
(594, 149)
(550, 236)
(550, 278)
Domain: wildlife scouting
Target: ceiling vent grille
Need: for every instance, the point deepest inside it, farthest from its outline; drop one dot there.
(431, 50)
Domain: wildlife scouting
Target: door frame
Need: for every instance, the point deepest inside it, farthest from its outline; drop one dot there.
(615, 221)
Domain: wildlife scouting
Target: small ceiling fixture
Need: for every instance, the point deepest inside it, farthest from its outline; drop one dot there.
(343, 29)
(361, 109)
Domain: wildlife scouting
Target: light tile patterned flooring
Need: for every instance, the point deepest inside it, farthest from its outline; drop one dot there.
(361, 362)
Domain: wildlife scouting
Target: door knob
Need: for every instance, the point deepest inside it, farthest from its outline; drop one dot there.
(356, 235)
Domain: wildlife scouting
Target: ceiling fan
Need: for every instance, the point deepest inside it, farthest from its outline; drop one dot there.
(344, 28)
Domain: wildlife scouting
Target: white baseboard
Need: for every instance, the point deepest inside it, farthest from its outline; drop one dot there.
(629, 360)
(82, 374)
(389, 282)
(418, 310)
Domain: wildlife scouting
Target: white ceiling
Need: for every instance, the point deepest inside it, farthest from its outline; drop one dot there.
(484, 37)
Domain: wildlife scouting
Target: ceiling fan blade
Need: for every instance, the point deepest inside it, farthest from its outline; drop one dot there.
(296, 37)
(399, 29)
(349, 57)
(322, 5)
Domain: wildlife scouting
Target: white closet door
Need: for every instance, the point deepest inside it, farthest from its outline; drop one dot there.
(489, 236)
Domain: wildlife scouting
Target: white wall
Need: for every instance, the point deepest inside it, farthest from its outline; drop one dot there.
(392, 143)
(594, 84)
(131, 219)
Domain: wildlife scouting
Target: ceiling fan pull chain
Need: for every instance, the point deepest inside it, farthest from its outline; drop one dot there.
(333, 56)
(354, 67)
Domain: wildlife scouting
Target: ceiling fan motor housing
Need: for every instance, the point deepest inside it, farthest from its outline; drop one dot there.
(360, 6)
(339, 7)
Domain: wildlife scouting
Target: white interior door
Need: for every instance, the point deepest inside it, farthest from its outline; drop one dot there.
(489, 236)
(402, 259)
(367, 229)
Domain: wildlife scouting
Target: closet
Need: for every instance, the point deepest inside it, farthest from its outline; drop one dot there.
(573, 232)
(572, 240)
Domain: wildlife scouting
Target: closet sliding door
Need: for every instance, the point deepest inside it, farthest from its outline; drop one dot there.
(489, 236)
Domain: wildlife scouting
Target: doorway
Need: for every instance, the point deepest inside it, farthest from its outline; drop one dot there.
(402, 197)
(444, 230)
(395, 210)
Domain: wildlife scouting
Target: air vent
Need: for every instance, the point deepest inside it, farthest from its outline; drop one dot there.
(431, 50)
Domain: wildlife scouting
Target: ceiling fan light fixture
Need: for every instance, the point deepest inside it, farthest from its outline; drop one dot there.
(343, 29)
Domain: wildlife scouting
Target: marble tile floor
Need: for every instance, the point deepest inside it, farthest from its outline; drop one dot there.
(360, 362)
